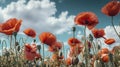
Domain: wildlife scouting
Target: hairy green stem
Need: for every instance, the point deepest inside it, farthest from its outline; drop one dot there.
(86, 49)
(114, 27)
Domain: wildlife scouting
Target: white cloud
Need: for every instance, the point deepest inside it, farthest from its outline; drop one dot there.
(110, 33)
(1, 15)
(38, 14)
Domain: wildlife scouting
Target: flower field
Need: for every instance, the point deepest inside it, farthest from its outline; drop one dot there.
(84, 52)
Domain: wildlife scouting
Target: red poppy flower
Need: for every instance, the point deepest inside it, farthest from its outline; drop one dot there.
(75, 50)
(73, 41)
(47, 38)
(55, 57)
(68, 61)
(88, 19)
(55, 46)
(30, 52)
(109, 41)
(112, 8)
(30, 32)
(10, 26)
(103, 51)
(105, 57)
(98, 32)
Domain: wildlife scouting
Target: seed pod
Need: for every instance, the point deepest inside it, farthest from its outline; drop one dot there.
(99, 47)
(18, 48)
(16, 43)
(38, 47)
(90, 37)
(60, 54)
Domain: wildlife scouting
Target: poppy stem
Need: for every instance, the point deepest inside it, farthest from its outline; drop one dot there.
(86, 49)
(4, 42)
(43, 57)
(104, 38)
(10, 41)
(114, 27)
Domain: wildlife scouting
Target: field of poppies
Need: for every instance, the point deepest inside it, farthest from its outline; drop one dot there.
(86, 52)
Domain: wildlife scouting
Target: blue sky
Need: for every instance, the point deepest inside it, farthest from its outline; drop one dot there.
(56, 16)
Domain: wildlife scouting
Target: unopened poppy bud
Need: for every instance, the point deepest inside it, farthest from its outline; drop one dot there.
(16, 43)
(60, 54)
(38, 47)
(34, 40)
(90, 37)
(73, 29)
(15, 34)
(99, 47)
(18, 48)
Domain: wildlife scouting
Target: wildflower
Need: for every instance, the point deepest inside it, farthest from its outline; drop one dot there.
(73, 41)
(112, 8)
(55, 46)
(88, 19)
(98, 33)
(30, 52)
(30, 32)
(109, 41)
(10, 26)
(105, 57)
(47, 38)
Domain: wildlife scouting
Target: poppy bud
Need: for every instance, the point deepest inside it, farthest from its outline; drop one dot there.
(99, 47)
(18, 48)
(73, 29)
(34, 40)
(15, 34)
(38, 47)
(60, 54)
(16, 43)
(90, 37)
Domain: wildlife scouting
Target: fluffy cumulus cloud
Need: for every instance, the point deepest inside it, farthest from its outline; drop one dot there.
(39, 15)
(110, 33)
(1, 15)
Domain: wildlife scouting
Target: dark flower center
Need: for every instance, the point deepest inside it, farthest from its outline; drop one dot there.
(86, 22)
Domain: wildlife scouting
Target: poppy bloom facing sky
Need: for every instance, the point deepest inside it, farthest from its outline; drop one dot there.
(98, 32)
(73, 41)
(10, 26)
(55, 46)
(103, 51)
(75, 50)
(112, 8)
(88, 19)
(110, 41)
(30, 32)
(47, 38)
(30, 52)
(105, 57)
